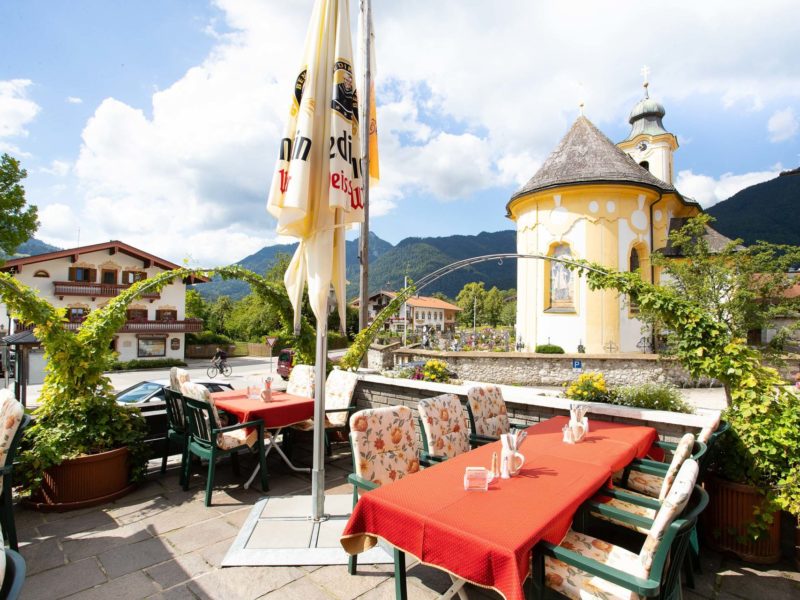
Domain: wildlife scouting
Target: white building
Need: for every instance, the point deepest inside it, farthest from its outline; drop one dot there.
(421, 311)
(84, 279)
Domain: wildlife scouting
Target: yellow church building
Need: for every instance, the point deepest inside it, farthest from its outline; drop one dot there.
(606, 203)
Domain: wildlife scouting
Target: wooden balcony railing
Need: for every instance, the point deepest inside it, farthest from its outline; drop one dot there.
(94, 290)
(137, 326)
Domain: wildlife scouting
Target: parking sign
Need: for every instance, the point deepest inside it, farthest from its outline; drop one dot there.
(577, 365)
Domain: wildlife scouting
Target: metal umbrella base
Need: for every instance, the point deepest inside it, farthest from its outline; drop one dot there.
(279, 532)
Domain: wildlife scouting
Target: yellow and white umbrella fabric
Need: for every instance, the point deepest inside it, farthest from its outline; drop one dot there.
(316, 187)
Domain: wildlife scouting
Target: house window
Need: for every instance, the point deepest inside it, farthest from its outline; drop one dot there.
(41, 273)
(166, 315)
(151, 347)
(76, 315)
(129, 277)
(82, 274)
(108, 276)
(137, 314)
(559, 282)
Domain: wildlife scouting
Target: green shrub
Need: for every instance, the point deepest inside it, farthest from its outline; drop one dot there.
(655, 396)
(207, 337)
(588, 387)
(549, 349)
(282, 341)
(153, 363)
(337, 340)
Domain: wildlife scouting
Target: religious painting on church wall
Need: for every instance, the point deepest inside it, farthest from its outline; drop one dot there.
(562, 287)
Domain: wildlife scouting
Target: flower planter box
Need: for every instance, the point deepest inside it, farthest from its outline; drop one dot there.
(725, 522)
(84, 481)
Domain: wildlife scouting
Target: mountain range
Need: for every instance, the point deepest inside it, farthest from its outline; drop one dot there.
(760, 212)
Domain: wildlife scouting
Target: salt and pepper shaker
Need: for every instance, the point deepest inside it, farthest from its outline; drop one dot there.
(495, 466)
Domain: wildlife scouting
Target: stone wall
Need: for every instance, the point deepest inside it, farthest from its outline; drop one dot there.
(517, 368)
(381, 357)
(375, 391)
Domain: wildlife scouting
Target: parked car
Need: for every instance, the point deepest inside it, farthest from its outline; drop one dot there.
(285, 361)
(153, 391)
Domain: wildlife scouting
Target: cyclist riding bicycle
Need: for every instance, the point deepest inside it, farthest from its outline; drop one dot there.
(220, 358)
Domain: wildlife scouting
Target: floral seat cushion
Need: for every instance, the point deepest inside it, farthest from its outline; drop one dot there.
(488, 410)
(301, 381)
(658, 487)
(445, 425)
(227, 439)
(629, 507)
(339, 388)
(577, 584)
(707, 431)
(385, 445)
(11, 413)
(177, 377)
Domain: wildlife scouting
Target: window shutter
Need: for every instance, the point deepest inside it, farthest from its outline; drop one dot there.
(92, 275)
(71, 275)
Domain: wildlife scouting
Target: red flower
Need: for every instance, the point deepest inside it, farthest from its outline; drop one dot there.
(360, 424)
(379, 444)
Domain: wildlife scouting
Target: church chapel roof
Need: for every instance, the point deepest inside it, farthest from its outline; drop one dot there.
(586, 155)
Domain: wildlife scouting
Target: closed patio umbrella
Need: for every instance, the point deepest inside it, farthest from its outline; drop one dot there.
(316, 187)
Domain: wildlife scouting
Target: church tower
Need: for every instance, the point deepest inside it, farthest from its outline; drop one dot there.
(648, 143)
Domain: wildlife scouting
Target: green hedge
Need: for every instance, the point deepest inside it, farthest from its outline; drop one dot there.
(153, 363)
(207, 337)
(650, 395)
(336, 340)
(549, 349)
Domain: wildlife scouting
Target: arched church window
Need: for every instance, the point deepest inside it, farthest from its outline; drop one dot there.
(638, 261)
(645, 164)
(634, 261)
(560, 282)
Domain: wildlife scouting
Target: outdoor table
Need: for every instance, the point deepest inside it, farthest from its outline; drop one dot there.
(486, 537)
(284, 410)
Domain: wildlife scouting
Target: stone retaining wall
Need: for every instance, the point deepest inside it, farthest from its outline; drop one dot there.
(381, 357)
(375, 391)
(516, 368)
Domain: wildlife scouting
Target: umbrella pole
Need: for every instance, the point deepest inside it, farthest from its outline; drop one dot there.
(318, 467)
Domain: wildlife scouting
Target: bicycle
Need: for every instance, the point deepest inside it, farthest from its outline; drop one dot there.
(219, 367)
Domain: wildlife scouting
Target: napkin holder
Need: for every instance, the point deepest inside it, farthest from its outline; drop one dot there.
(477, 479)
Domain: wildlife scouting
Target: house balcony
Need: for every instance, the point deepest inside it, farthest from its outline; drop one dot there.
(137, 326)
(94, 290)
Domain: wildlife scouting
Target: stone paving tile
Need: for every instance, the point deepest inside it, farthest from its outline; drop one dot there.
(752, 582)
(385, 591)
(63, 581)
(42, 556)
(69, 524)
(201, 535)
(338, 582)
(178, 570)
(183, 515)
(129, 558)
(92, 543)
(214, 553)
(133, 586)
(242, 583)
(299, 589)
(180, 592)
(238, 517)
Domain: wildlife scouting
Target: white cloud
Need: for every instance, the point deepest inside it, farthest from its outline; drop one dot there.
(783, 125)
(708, 190)
(73, 100)
(16, 110)
(58, 168)
(59, 224)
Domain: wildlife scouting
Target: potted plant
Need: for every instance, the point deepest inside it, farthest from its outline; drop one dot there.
(83, 447)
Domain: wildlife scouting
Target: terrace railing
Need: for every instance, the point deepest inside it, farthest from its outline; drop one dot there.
(94, 290)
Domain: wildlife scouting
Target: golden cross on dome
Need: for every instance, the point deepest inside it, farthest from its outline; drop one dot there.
(645, 72)
(581, 107)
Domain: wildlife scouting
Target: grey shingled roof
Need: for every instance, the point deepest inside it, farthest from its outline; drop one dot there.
(715, 240)
(585, 155)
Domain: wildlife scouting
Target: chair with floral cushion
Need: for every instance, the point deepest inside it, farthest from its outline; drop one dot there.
(487, 414)
(583, 567)
(339, 388)
(385, 449)
(206, 439)
(13, 577)
(13, 422)
(444, 427)
(176, 431)
(301, 381)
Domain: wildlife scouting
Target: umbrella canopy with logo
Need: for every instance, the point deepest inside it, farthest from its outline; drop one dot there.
(316, 187)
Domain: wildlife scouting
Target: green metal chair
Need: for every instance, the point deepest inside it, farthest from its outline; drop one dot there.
(488, 415)
(584, 567)
(374, 464)
(176, 431)
(210, 441)
(445, 432)
(14, 577)
(13, 422)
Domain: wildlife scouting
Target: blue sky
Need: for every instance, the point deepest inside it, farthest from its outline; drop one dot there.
(157, 122)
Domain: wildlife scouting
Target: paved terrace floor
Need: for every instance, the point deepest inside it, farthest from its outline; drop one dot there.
(162, 542)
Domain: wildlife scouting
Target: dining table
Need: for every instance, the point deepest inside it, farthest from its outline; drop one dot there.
(281, 411)
(487, 537)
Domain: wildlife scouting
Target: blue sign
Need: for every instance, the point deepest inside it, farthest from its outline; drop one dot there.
(577, 365)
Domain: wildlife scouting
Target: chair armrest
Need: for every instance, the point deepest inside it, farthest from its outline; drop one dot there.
(520, 426)
(338, 410)
(6, 469)
(481, 440)
(255, 423)
(617, 514)
(625, 496)
(644, 587)
(362, 483)
(648, 468)
(430, 459)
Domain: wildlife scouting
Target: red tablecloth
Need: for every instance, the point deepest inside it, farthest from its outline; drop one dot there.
(487, 538)
(284, 409)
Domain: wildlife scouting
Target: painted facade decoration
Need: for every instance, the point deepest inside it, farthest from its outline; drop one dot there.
(606, 203)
